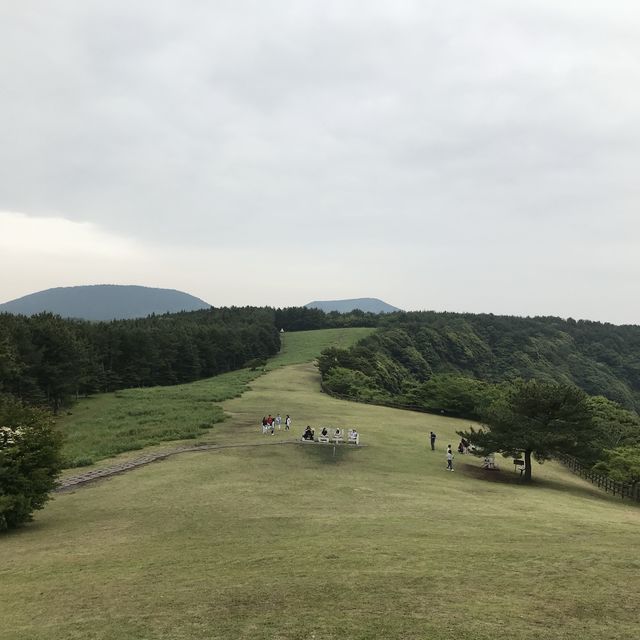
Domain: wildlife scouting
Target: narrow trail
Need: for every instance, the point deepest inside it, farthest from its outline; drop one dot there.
(73, 482)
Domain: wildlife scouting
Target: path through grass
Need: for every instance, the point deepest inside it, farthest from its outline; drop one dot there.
(105, 425)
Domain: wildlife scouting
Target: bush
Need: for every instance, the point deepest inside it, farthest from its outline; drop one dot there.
(347, 382)
(82, 461)
(30, 461)
(622, 464)
(256, 363)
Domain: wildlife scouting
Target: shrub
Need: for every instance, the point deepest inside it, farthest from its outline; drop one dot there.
(30, 461)
(82, 461)
(256, 363)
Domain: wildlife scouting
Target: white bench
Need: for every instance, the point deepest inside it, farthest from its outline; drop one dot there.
(489, 462)
(331, 437)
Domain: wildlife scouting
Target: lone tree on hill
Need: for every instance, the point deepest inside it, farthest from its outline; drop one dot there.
(536, 418)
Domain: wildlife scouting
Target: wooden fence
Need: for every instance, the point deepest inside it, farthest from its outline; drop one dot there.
(624, 490)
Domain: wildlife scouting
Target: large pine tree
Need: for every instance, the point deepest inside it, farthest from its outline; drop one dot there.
(534, 419)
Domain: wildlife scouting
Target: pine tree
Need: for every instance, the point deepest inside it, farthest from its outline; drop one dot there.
(534, 419)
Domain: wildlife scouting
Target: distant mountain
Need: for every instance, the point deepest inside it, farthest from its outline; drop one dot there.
(104, 302)
(344, 306)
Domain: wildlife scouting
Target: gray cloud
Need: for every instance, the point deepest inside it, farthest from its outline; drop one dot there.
(497, 139)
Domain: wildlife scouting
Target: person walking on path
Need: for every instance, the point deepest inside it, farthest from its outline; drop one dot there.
(449, 459)
(432, 437)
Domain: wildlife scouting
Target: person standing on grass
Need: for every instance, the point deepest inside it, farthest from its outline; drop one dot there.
(449, 459)
(432, 437)
(287, 423)
(278, 421)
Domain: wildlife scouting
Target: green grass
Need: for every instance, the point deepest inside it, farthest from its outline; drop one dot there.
(289, 542)
(305, 346)
(109, 424)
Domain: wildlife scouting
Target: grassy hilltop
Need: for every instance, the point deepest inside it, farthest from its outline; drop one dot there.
(108, 424)
(290, 542)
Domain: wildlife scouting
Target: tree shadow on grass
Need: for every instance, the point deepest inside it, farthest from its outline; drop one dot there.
(508, 477)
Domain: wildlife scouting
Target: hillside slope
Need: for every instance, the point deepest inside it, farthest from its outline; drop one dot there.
(289, 541)
(411, 348)
(104, 302)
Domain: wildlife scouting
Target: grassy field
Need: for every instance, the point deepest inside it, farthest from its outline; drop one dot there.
(305, 346)
(106, 425)
(292, 542)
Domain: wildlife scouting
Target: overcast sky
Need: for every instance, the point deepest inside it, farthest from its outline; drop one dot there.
(465, 156)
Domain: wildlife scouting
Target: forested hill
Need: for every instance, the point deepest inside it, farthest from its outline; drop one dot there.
(411, 348)
(104, 302)
(45, 359)
(414, 357)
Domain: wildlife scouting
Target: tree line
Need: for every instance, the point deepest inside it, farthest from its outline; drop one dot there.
(47, 360)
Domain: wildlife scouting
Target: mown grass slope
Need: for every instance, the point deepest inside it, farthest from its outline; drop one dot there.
(106, 425)
(292, 542)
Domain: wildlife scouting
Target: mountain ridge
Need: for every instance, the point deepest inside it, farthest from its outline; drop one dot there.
(372, 305)
(104, 302)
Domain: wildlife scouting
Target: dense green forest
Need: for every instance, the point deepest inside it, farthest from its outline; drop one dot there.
(439, 360)
(308, 319)
(436, 359)
(47, 360)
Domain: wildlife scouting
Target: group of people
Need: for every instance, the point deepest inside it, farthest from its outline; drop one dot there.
(463, 447)
(270, 424)
(338, 434)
